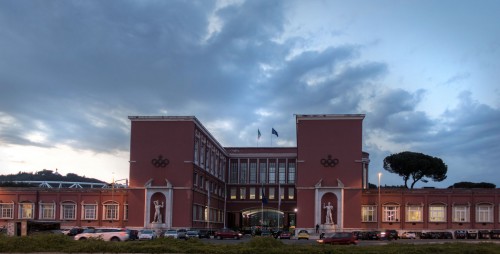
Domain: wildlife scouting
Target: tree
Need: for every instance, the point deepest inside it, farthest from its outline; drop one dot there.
(416, 166)
(470, 185)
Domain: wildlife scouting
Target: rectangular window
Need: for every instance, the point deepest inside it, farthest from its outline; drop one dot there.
(272, 172)
(195, 179)
(253, 172)
(369, 213)
(110, 211)
(484, 213)
(125, 212)
(68, 211)
(437, 213)
(202, 154)
(47, 211)
(233, 192)
(291, 193)
(391, 214)
(282, 193)
(262, 171)
(196, 150)
(233, 171)
(243, 192)
(461, 213)
(282, 172)
(243, 171)
(89, 212)
(252, 192)
(414, 213)
(26, 211)
(271, 192)
(291, 172)
(6, 211)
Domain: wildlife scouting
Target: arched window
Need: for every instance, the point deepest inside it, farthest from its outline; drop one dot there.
(391, 212)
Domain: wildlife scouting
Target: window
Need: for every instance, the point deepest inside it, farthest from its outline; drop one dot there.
(271, 193)
(202, 154)
(253, 172)
(233, 193)
(196, 150)
(125, 212)
(484, 213)
(437, 213)
(263, 171)
(47, 211)
(6, 210)
(282, 172)
(291, 193)
(243, 171)
(282, 193)
(391, 213)
(252, 192)
(110, 211)
(369, 213)
(26, 211)
(414, 213)
(68, 211)
(243, 193)
(461, 213)
(195, 179)
(272, 172)
(89, 212)
(291, 172)
(233, 171)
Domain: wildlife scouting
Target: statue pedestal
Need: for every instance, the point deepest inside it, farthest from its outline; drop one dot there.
(328, 228)
(157, 227)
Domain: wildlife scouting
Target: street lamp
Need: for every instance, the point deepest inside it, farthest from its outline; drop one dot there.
(380, 205)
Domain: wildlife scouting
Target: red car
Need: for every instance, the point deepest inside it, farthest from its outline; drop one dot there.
(339, 238)
(227, 233)
(284, 235)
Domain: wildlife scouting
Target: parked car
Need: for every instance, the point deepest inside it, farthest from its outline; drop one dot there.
(338, 238)
(495, 234)
(303, 234)
(265, 233)
(133, 234)
(146, 234)
(484, 234)
(471, 234)
(460, 234)
(181, 234)
(227, 233)
(203, 233)
(74, 231)
(106, 234)
(389, 234)
(192, 234)
(409, 235)
(284, 235)
(170, 233)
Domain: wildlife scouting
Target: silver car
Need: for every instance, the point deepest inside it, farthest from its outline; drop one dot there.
(106, 234)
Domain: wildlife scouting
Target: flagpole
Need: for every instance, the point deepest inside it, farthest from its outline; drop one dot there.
(279, 201)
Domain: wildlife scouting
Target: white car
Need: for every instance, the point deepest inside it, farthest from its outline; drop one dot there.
(171, 233)
(106, 234)
(146, 234)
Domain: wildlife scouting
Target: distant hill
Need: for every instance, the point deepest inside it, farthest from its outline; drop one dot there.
(44, 175)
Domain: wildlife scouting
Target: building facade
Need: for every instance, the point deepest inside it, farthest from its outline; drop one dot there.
(182, 177)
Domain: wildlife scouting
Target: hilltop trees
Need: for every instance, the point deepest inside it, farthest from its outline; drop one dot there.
(416, 167)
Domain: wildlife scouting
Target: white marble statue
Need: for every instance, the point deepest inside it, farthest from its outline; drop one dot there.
(328, 217)
(157, 217)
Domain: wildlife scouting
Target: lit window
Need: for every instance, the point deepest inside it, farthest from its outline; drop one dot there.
(252, 192)
(437, 213)
(233, 193)
(243, 193)
(26, 211)
(271, 193)
(391, 213)
(414, 213)
(291, 172)
(291, 193)
(369, 213)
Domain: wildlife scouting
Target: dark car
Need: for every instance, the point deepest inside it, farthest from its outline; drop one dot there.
(460, 234)
(227, 233)
(284, 235)
(181, 234)
(75, 231)
(192, 234)
(265, 232)
(203, 233)
(389, 234)
(133, 234)
(338, 238)
(484, 234)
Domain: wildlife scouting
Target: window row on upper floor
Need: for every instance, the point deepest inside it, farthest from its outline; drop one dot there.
(257, 193)
(203, 183)
(264, 171)
(208, 156)
(67, 211)
(435, 213)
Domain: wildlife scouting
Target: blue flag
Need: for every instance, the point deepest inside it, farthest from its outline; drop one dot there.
(275, 132)
(258, 134)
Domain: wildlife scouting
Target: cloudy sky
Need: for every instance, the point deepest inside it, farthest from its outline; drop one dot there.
(426, 73)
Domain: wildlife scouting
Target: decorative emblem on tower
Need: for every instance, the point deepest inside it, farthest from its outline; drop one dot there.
(329, 162)
(160, 162)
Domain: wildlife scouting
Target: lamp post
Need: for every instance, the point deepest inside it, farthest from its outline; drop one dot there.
(380, 205)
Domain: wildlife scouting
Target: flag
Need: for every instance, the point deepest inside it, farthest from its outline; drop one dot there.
(274, 132)
(264, 199)
(279, 195)
(258, 134)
